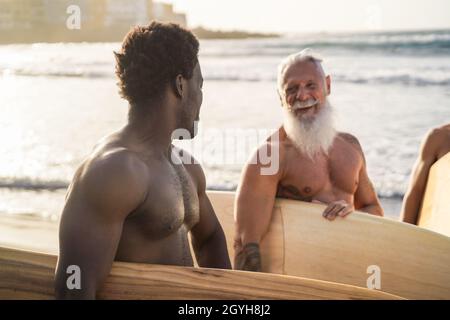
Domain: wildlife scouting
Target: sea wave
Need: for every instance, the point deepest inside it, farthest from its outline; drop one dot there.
(416, 43)
(256, 59)
(437, 47)
(402, 78)
(27, 183)
(30, 184)
(67, 73)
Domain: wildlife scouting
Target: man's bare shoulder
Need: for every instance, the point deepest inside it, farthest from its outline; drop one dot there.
(275, 144)
(439, 134)
(116, 162)
(279, 140)
(436, 142)
(445, 127)
(269, 158)
(112, 175)
(350, 140)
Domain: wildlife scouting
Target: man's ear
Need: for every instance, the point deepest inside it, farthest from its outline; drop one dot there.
(328, 83)
(179, 86)
(281, 98)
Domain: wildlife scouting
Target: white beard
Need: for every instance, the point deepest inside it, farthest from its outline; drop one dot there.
(311, 136)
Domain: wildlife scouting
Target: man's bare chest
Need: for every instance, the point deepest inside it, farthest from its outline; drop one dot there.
(304, 179)
(172, 202)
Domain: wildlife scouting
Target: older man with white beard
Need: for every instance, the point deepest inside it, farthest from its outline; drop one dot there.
(316, 163)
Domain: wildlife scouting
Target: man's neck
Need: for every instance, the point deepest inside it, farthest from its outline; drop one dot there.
(151, 127)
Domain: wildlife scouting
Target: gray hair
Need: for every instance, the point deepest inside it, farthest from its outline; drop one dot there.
(304, 55)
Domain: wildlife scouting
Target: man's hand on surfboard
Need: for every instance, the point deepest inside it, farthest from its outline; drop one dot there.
(336, 208)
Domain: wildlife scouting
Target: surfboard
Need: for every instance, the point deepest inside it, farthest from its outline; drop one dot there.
(411, 262)
(435, 210)
(30, 275)
(408, 261)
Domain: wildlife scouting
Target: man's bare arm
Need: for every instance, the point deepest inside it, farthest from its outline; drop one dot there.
(208, 238)
(255, 199)
(366, 199)
(416, 189)
(91, 224)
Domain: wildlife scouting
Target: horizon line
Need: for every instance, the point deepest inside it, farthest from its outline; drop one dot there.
(309, 32)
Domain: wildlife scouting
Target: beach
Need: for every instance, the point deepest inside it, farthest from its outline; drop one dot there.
(58, 100)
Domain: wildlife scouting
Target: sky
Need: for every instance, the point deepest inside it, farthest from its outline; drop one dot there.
(297, 16)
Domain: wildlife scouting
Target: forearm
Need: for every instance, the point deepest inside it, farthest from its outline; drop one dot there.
(213, 252)
(63, 292)
(78, 276)
(411, 206)
(413, 198)
(250, 230)
(374, 209)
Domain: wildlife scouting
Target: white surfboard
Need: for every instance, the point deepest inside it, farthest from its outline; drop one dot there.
(412, 262)
(30, 275)
(435, 211)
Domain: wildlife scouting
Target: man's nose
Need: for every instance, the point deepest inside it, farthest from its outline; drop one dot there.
(302, 95)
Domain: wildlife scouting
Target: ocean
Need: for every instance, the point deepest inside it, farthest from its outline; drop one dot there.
(57, 100)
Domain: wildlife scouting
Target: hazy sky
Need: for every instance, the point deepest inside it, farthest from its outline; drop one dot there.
(316, 15)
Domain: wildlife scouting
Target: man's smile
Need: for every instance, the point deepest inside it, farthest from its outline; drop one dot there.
(308, 110)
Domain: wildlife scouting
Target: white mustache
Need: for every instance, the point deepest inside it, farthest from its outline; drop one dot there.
(305, 104)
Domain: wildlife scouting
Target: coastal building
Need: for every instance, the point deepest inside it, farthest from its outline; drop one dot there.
(165, 12)
(99, 18)
(125, 12)
(20, 14)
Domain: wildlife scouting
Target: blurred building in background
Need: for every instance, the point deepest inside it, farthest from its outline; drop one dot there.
(164, 12)
(101, 20)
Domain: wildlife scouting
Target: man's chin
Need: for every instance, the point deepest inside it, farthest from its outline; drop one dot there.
(306, 115)
(185, 132)
(193, 134)
(194, 129)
